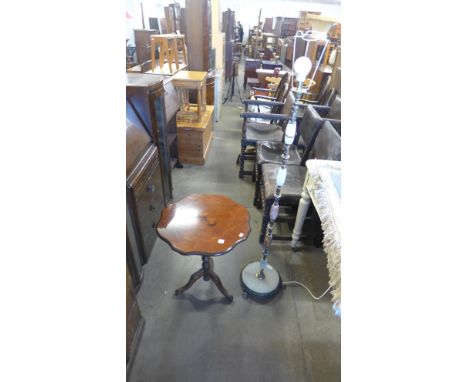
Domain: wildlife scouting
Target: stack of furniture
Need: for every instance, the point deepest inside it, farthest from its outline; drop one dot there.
(305, 20)
(198, 32)
(268, 25)
(318, 23)
(143, 43)
(190, 80)
(250, 72)
(269, 43)
(154, 23)
(152, 103)
(162, 21)
(194, 121)
(285, 26)
(172, 13)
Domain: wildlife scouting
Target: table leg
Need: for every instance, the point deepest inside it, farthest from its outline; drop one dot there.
(162, 55)
(195, 276)
(208, 274)
(217, 281)
(301, 215)
(199, 106)
(170, 54)
(175, 52)
(153, 56)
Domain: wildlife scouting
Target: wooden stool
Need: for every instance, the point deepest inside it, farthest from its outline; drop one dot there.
(206, 226)
(169, 45)
(190, 80)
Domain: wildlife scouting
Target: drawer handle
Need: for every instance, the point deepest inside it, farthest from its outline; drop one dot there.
(153, 225)
(152, 208)
(150, 188)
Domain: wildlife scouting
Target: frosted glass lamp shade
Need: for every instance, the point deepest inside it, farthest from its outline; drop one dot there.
(302, 68)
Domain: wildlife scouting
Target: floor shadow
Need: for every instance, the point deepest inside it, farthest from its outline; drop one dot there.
(201, 304)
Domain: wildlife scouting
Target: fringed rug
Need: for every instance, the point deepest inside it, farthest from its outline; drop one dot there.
(325, 190)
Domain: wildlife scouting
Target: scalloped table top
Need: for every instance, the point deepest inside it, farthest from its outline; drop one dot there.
(203, 224)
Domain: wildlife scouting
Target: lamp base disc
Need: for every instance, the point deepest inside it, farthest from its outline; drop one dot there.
(254, 286)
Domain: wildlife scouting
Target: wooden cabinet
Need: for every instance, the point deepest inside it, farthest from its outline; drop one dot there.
(286, 26)
(146, 105)
(198, 35)
(194, 138)
(145, 197)
(134, 322)
(143, 43)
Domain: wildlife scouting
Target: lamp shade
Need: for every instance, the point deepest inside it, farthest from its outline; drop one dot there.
(302, 67)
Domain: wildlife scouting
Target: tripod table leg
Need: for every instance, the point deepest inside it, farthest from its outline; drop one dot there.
(217, 281)
(195, 276)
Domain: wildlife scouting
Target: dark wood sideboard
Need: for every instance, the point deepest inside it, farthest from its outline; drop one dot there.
(145, 196)
(152, 102)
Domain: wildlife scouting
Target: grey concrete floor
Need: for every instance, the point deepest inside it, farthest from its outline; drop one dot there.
(198, 336)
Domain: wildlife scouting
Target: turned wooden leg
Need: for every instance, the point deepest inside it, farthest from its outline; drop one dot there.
(153, 56)
(203, 96)
(162, 54)
(195, 276)
(217, 281)
(199, 104)
(175, 52)
(241, 162)
(301, 215)
(170, 54)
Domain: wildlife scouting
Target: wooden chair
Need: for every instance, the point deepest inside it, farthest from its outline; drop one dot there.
(327, 146)
(250, 74)
(266, 126)
(299, 151)
(278, 95)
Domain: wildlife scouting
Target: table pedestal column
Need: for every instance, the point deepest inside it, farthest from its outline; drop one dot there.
(207, 273)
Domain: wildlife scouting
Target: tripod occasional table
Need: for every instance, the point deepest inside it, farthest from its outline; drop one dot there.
(206, 226)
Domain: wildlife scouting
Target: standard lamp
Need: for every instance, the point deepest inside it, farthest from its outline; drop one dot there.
(260, 279)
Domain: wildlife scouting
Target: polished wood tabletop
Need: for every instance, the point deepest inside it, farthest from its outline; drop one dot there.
(204, 225)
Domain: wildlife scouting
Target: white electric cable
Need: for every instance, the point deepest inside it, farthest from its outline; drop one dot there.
(307, 289)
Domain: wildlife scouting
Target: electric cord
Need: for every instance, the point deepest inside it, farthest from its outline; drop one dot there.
(307, 289)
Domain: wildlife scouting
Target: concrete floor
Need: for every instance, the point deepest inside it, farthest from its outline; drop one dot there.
(197, 336)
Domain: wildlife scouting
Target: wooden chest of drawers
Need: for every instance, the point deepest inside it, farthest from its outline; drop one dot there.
(145, 197)
(194, 138)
